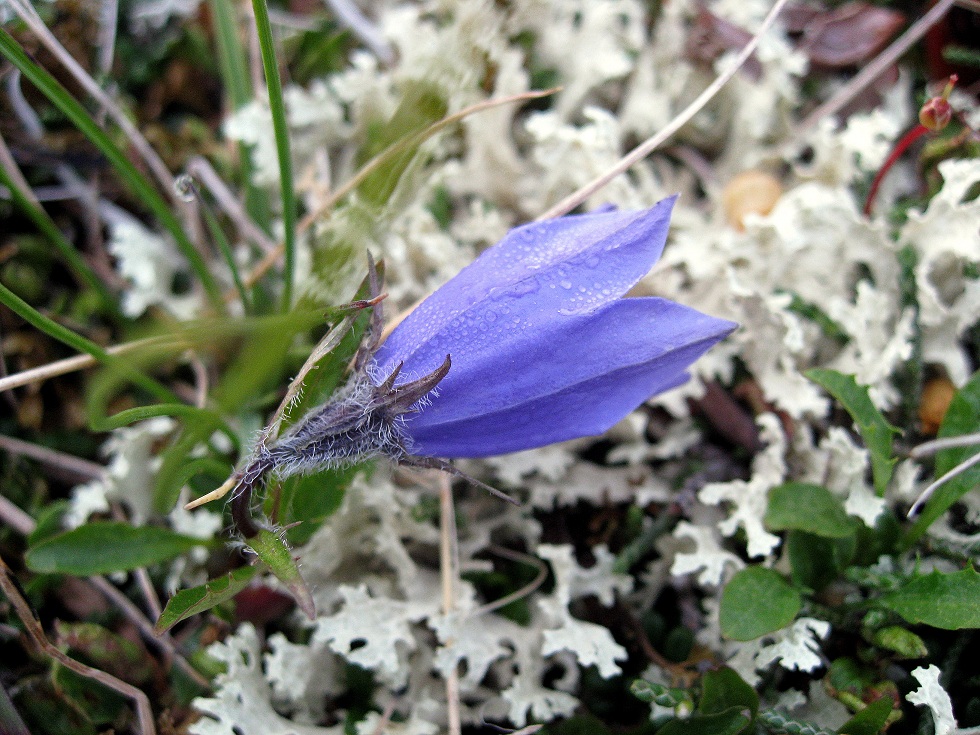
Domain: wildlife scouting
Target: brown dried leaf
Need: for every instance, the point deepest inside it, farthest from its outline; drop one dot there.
(850, 34)
(711, 36)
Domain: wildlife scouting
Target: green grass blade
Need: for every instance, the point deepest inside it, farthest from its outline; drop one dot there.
(231, 54)
(237, 80)
(278, 108)
(79, 268)
(136, 181)
(33, 317)
(218, 235)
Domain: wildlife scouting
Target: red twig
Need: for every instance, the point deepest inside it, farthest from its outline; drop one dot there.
(908, 139)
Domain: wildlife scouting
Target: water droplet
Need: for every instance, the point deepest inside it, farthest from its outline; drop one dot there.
(524, 287)
(566, 284)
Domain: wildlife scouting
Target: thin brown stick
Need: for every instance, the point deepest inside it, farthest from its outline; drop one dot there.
(385, 718)
(164, 177)
(73, 364)
(524, 591)
(448, 568)
(949, 442)
(14, 517)
(939, 482)
(36, 633)
(202, 170)
(79, 469)
(165, 642)
(651, 144)
(878, 66)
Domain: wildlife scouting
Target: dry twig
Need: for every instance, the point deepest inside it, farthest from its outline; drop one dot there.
(36, 633)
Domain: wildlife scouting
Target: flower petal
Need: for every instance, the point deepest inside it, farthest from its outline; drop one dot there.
(568, 265)
(576, 377)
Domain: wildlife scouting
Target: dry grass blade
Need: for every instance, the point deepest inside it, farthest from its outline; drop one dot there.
(73, 364)
(74, 468)
(647, 147)
(381, 159)
(448, 571)
(164, 177)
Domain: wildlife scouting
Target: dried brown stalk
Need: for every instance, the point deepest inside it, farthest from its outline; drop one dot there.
(37, 635)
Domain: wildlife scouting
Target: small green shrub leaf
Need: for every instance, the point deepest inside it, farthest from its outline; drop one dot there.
(816, 561)
(729, 722)
(273, 551)
(103, 548)
(870, 720)
(876, 432)
(947, 601)
(757, 601)
(196, 600)
(724, 689)
(798, 506)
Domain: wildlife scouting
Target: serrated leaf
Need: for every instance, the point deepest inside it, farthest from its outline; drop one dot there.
(103, 548)
(273, 551)
(757, 601)
(876, 432)
(724, 689)
(947, 601)
(798, 506)
(962, 417)
(196, 600)
(870, 720)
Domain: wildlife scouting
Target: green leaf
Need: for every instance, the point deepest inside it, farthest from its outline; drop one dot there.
(816, 561)
(273, 551)
(729, 722)
(280, 130)
(962, 417)
(724, 689)
(947, 601)
(103, 548)
(870, 720)
(798, 506)
(422, 104)
(755, 602)
(196, 600)
(877, 432)
(310, 499)
(901, 641)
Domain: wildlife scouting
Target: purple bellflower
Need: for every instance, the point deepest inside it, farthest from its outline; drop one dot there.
(543, 348)
(529, 345)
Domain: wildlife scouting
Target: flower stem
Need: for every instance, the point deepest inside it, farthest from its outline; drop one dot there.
(907, 140)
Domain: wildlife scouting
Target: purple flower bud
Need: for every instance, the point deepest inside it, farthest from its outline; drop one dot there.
(543, 348)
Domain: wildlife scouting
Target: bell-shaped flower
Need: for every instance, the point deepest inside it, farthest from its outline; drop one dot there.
(542, 346)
